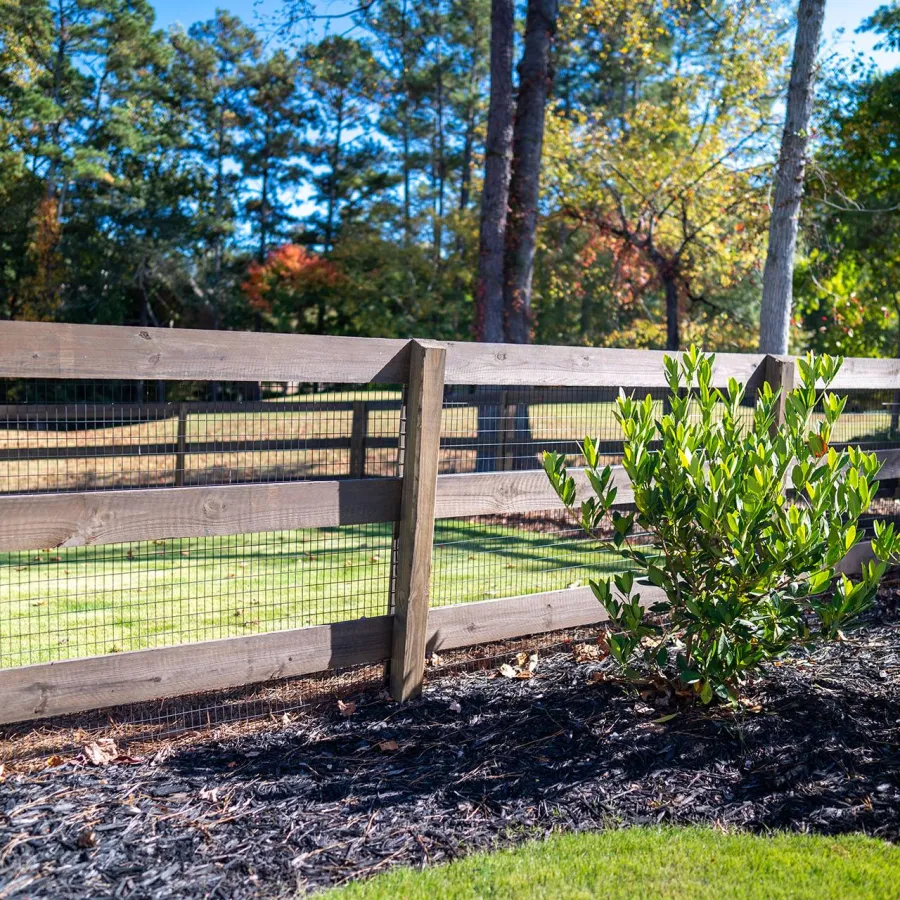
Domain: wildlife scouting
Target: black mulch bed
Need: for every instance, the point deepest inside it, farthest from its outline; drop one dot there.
(316, 803)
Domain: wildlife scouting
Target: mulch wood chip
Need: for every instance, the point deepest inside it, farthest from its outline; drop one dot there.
(479, 761)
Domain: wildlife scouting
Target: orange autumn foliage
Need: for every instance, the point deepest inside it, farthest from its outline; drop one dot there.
(289, 271)
(41, 292)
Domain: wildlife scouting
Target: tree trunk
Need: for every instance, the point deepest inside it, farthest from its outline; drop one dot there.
(465, 179)
(535, 79)
(497, 159)
(405, 124)
(264, 195)
(775, 316)
(673, 330)
(895, 400)
(334, 161)
(438, 152)
(264, 216)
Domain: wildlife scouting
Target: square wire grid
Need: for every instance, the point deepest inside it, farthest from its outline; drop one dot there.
(508, 429)
(490, 557)
(83, 601)
(96, 435)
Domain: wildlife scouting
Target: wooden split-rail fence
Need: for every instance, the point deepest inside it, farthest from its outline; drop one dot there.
(412, 501)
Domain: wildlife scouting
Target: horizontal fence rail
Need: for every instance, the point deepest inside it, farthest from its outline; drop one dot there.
(39, 350)
(95, 518)
(484, 376)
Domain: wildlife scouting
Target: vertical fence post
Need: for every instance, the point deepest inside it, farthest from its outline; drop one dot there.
(779, 373)
(358, 429)
(415, 536)
(181, 445)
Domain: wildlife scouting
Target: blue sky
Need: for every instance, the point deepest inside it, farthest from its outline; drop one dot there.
(846, 14)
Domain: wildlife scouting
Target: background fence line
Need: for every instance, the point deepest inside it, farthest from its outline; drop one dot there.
(490, 396)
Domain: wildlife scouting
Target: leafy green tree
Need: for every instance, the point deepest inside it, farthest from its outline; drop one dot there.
(671, 172)
(848, 283)
(70, 90)
(347, 164)
(275, 118)
(210, 77)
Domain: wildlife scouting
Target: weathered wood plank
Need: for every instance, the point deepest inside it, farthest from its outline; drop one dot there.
(536, 396)
(31, 453)
(505, 493)
(181, 446)
(510, 617)
(51, 689)
(851, 564)
(890, 464)
(45, 350)
(48, 350)
(415, 535)
(536, 365)
(358, 431)
(780, 372)
(867, 375)
(38, 521)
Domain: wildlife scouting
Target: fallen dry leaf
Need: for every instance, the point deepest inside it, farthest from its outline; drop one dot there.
(525, 664)
(101, 752)
(388, 746)
(2, 773)
(86, 839)
(348, 708)
(589, 653)
(54, 760)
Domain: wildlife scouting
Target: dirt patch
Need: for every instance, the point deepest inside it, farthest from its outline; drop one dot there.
(479, 761)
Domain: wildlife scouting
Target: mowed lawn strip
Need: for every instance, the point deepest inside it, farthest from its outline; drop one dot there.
(637, 863)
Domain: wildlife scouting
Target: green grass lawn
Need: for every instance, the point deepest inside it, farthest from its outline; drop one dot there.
(92, 600)
(658, 863)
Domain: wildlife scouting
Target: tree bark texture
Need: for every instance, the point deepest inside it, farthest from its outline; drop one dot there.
(673, 329)
(535, 80)
(495, 194)
(775, 316)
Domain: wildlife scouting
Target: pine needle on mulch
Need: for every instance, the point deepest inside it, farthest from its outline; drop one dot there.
(481, 760)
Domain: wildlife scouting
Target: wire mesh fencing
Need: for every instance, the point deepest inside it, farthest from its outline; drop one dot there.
(508, 429)
(95, 435)
(871, 420)
(87, 601)
(490, 557)
(57, 437)
(139, 727)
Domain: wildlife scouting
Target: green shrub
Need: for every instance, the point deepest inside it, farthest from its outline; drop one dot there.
(746, 523)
